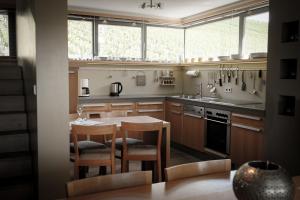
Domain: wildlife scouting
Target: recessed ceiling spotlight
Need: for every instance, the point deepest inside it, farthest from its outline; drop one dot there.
(104, 21)
(150, 4)
(133, 23)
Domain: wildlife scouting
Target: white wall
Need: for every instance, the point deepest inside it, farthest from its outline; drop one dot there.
(100, 80)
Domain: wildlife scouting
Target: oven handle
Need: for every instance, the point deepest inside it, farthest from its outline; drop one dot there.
(217, 121)
(192, 115)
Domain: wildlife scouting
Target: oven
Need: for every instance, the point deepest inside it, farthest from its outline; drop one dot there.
(217, 137)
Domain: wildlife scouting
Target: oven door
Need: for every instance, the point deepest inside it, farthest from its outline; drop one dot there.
(218, 135)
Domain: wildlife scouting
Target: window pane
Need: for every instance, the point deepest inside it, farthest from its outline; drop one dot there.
(119, 41)
(4, 36)
(214, 39)
(80, 39)
(256, 33)
(165, 43)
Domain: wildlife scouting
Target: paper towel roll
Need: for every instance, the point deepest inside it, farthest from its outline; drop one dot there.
(193, 73)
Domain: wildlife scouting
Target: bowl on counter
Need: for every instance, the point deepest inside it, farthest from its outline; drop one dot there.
(224, 58)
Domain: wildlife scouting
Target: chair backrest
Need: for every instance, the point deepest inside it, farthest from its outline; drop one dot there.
(197, 169)
(140, 128)
(91, 115)
(102, 130)
(121, 113)
(108, 182)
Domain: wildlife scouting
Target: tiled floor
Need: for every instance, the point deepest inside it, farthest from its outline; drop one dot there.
(177, 157)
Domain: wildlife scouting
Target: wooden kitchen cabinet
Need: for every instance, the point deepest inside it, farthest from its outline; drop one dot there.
(153, 109)
(123, 106)
(193, 132)
(174, 115)
(73, 91)
(246, 138)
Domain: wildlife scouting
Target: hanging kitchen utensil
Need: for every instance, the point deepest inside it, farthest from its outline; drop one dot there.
(244, 86)
(223, 75)
(260, 86)
(237, 76)
(213, 88)
(253, 74)
(229, 75)
(220, 78)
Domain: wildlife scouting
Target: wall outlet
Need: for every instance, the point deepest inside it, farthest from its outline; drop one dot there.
(228, 90)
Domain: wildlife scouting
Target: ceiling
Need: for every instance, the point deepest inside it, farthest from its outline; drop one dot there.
(171, 8)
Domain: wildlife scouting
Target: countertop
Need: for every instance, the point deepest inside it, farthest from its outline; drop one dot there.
(255, 109)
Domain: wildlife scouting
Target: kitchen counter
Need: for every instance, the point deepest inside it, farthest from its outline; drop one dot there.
(121, 98)
(229, 105)
(257, 109)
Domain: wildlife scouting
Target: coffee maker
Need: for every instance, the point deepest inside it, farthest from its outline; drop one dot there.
(84, 88)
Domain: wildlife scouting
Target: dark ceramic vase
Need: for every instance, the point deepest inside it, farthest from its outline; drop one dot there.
(260, 180)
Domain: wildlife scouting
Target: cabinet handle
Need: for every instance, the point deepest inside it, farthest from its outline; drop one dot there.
(175, 112)
(121, 104)
(153, 110)
(176, 104)
(150, 103)
(246, 116)
(192, 115)
(217, 121)
(94, 105)
(246, 127)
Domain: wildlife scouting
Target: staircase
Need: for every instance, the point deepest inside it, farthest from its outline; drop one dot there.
(16, 180)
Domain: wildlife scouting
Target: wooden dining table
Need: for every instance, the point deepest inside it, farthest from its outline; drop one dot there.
(165, 146)
(208, 187)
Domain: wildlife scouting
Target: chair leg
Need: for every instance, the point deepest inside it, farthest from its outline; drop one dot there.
(158, 169)
(102, 170)
(76, 172)
(113, 166)
(82, 171)
(125, 165)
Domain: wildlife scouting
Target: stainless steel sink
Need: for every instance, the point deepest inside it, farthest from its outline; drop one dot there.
(216, 100)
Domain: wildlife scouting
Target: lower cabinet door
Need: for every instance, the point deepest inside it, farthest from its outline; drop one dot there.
(246, 145)
(193, 132)
(175, 118)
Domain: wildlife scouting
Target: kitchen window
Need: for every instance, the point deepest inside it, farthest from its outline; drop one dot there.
(256, 33)
(220, 38)
(4, 35)
(164, 43)
(80, 39)
(119, 41)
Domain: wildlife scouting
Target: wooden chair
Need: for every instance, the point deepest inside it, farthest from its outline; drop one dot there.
(197, 169)
(142, 152)
(94, 157)
(108, 182)
(119, 144)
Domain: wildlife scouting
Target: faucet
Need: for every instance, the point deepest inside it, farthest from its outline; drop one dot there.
(200, 90)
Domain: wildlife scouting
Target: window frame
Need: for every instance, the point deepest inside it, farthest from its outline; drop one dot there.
(242, 16)
(161, 26)
(80, 18)
(99, 20)
(116, 23)
(11, 32)
(242, 28)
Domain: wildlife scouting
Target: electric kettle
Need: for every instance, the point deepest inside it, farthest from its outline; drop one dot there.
(116, 88)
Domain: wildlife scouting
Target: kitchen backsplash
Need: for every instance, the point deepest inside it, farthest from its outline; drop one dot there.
(100, 80)
(192, 85)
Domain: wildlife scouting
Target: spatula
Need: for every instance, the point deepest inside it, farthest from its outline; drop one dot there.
(244, 86)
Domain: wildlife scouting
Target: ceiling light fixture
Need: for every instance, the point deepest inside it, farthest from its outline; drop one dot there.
(151, 5)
